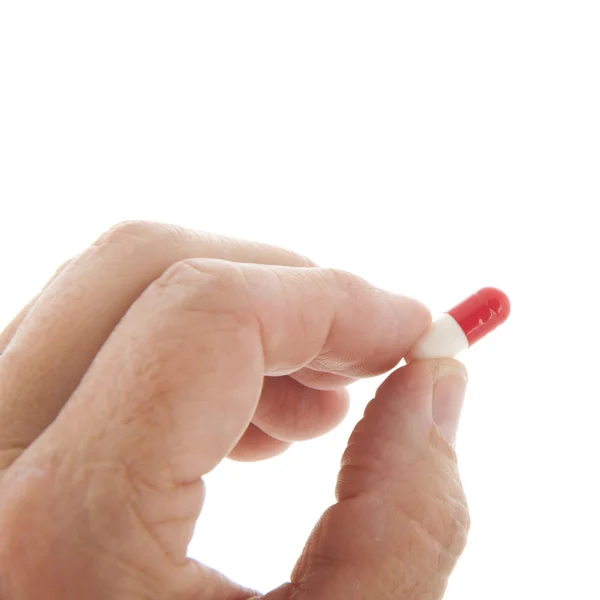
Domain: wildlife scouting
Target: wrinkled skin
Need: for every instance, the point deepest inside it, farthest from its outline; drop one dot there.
(158, 352)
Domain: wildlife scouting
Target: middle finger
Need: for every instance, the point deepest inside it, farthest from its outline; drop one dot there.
(74, 316)
(288, 412)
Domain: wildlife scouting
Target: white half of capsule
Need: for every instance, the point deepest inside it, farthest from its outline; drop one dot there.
(443, 339)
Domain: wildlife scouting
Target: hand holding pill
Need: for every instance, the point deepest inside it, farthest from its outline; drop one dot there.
(157, 353)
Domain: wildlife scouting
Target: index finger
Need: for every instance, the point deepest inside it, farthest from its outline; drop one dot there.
(329, 320)
(195, 346)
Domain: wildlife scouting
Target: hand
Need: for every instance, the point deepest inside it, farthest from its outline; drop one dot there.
(158, 352)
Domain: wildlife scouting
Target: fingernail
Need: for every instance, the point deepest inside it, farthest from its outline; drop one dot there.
(450, 384)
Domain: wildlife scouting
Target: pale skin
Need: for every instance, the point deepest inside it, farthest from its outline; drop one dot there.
(157, 353)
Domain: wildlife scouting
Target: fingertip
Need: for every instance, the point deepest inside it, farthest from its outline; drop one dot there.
(425, 312)
(404, 378)
(420, 313)
(441, 367)
(421, 374)
(436, 365)
(415, 320)
(396, 430)
(423, 393)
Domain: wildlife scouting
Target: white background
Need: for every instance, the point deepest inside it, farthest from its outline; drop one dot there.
(430, 147)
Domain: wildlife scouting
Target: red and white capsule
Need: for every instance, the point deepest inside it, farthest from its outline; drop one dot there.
(463, 325)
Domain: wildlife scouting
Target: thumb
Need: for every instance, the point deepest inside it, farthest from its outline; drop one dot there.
(401, 519)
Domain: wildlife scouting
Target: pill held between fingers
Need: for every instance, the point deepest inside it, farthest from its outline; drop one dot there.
(462, 326)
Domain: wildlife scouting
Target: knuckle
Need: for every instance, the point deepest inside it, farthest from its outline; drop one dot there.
(455, 526)
(283, 256)
(347, 282)
(445, 521)
(345, 278)
(208, 285)
(126, 231)
(222, 276)
(441, 514)
(457, 514)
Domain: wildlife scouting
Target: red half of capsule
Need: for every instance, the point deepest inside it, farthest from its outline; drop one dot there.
(481, 313)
